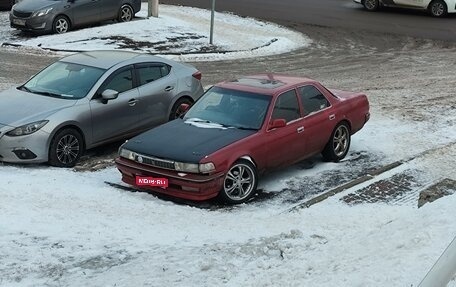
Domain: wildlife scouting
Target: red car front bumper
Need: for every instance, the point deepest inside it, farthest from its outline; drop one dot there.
(187, 186)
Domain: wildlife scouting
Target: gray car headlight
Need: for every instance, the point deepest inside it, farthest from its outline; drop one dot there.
(26, 129)
(41, 12)
(127, 154)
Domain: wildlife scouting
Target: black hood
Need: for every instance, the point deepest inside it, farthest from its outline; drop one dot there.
(183, 142)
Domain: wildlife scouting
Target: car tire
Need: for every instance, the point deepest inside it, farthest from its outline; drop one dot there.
(61, 25)
(438, 8)
(125, 13)
(239, 183)
(339, 143)
(174, 114)
(66, 148)
(371, 5)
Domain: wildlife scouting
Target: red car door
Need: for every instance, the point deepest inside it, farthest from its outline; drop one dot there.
(319, 119)
(286, 144)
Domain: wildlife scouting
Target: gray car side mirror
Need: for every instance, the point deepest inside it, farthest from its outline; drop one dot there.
(109, 94)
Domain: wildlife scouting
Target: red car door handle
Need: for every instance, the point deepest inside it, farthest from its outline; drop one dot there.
(132, 102)
(332, 117)
(300, 130)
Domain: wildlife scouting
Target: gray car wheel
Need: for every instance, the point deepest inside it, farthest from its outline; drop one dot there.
(125, 13)
(338, 144)
(371, 5)
(66, 148)
(240, 182)
(61, 25)
(438, 8)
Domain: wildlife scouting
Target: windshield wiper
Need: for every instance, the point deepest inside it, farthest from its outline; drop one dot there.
(24, 88)
(49, 94)
(246, 128)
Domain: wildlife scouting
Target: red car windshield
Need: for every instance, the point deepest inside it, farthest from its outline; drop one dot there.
(230, 108)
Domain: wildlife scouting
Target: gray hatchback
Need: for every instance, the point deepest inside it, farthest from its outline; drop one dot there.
(59, 16)
(89, 99)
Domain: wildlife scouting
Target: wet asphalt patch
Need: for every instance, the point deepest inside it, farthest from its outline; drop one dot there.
(302, 188)
(400, 188)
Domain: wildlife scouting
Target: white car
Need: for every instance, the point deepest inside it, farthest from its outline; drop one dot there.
(437, 8)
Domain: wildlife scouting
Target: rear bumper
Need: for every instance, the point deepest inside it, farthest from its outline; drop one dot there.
(186, 186)
(451, 5)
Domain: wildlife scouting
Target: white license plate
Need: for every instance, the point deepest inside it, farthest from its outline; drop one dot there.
(19, 22)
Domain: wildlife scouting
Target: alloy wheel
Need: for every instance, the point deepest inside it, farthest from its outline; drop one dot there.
(61, 26)
(239, 182)
(341, 140)
(371, 4)
(437, 9)
(68, 149)
(126, 14)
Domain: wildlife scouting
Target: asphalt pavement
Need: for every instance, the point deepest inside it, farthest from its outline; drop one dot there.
(343, 14)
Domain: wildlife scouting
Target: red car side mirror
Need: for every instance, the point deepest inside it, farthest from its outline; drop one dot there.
(277, 123)
(183, 108)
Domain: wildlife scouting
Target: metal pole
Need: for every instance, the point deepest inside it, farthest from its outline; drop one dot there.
(211, 38)
(155, 8)
(152, 8)
(443, 270)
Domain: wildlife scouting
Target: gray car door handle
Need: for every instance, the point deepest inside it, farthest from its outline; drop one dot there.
(169, 88)
(132, 102)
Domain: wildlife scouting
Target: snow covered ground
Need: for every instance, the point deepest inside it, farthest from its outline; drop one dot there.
(64, 228)
(181, 33)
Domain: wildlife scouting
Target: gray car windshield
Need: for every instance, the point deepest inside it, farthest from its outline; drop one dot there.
(64, 80)
(230, 108)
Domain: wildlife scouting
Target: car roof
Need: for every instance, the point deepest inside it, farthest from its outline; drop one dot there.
(268, 84)
(106, 59)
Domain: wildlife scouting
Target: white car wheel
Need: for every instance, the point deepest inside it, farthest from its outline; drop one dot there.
(371, 5)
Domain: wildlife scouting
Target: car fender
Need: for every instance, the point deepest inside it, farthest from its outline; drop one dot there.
(248, 158)
(68, 124)
(240, 150)
(451, 5)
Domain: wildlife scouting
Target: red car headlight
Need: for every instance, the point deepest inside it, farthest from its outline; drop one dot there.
(206, 167)
(194, 167)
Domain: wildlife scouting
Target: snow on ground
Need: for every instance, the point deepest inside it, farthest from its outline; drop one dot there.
(181, 33)
(63, 228)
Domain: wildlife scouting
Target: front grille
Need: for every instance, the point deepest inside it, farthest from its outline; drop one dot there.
(152, 161)
(20, 14)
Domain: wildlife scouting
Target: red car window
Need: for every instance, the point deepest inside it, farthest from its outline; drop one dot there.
(286, 107)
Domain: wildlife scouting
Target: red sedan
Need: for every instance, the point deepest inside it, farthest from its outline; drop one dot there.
(237, 131)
